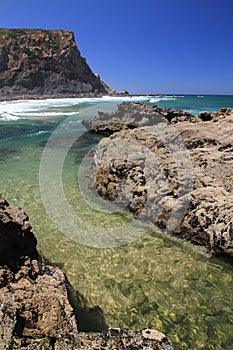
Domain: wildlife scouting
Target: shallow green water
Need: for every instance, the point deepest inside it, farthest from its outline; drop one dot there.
(155, 281)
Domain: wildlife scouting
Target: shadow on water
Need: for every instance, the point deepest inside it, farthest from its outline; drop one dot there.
(223, 260)
(89, 319)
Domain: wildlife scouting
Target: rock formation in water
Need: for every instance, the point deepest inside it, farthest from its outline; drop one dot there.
(134, 115)
(171, 168)
(35, 312)
(45, 63)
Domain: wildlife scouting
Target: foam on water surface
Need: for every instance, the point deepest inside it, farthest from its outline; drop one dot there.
(28, 109)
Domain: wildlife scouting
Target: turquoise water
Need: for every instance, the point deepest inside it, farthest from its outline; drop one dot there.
(196, 104)
(155, 280)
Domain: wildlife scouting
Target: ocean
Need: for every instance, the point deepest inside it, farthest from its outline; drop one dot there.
(152, 281)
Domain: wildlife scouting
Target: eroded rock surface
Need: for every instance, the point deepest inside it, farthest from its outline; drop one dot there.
(133, 115)
(172, 168)
(34, 304)
(33, 296)
(148, 339)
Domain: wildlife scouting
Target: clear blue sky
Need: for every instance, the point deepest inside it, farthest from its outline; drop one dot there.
(147, 46)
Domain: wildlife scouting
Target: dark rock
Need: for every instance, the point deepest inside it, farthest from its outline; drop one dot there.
(17, 240)
(207, 116)
(44, 63)
(124, 93)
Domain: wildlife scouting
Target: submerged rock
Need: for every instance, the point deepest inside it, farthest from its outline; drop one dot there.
(171, 168)
(35, 312)
(37, 63)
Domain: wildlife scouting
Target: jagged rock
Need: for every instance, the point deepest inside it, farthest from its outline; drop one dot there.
(33, 296)
(117, 338)
(176, 174)
(207, 116)
(132, 115)
(16, 237)
(45, 63)
(34, 303)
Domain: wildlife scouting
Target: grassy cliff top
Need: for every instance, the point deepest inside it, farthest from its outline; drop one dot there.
(11, 33)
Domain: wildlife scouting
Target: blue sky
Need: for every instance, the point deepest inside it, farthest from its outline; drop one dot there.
(150, 46)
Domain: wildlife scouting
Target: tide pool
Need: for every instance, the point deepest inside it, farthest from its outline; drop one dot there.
(154, 281)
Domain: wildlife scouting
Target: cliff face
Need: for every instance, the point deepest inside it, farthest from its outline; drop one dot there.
(44, 63)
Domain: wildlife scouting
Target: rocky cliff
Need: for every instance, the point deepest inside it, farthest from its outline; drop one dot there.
(44, 63)
(171, 168)
(35, 312)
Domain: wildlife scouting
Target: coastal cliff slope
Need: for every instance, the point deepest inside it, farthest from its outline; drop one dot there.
(36, 63)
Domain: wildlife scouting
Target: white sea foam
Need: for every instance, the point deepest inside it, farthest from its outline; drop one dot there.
(37, 133)
(44, 114)
(164, 98)
(29, 109)
(7, 116)
(154, 100)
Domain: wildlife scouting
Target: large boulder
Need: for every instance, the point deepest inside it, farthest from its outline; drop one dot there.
(171, 168)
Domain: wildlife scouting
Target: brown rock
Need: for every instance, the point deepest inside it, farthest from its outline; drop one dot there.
(44, 63)
(178, 174)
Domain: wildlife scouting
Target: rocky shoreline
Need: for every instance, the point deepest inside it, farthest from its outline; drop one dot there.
(35, 312)
(171, 168)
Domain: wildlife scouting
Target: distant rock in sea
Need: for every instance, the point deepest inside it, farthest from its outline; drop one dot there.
(36, 63)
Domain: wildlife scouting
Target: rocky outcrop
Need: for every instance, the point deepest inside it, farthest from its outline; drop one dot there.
(173, 169)
(34, 306)
(117, 338)
(16, 237)
(133, 115)
(35, 312)
(44, 63)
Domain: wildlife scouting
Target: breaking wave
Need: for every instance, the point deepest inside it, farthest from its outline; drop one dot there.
(52, 108)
